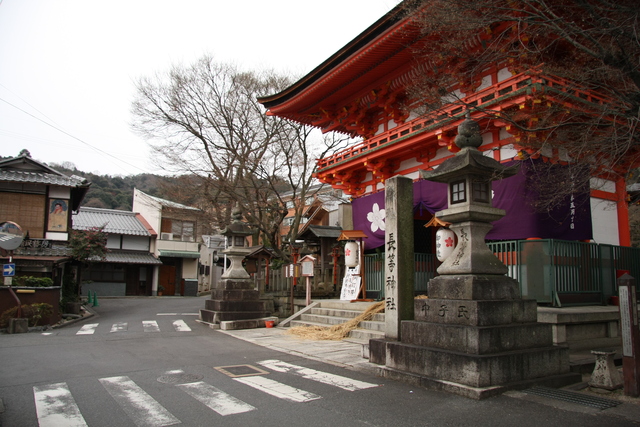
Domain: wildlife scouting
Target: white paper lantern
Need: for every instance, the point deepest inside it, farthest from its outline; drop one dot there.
(351, 254)
(445, 243)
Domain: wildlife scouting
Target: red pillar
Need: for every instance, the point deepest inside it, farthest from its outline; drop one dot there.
(624, 230)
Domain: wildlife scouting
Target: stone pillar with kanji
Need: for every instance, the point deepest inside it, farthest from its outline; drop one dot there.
(399, 256)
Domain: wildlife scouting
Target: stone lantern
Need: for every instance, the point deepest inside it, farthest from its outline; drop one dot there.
(475, 335)
(469, 175)
(237, 247)
(234, 302)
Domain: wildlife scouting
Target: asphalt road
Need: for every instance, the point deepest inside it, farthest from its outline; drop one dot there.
(147, 362)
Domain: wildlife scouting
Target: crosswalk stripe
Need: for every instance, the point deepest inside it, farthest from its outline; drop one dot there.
(143, 409)
(56, 407)
(181, 326)
(216, 399)
(119, 327)
(178, 314)
(322, 377)
(87, 329)
(150, 326)
(277, 389)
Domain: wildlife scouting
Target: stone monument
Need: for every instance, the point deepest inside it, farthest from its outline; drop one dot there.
(474, 335)
(234, 303)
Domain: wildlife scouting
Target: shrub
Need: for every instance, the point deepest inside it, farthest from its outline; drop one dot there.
(36, 282)
(33, 312)
(40, 311)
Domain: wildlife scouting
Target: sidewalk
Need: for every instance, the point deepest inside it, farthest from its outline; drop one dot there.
(340, 353)
(349, 355)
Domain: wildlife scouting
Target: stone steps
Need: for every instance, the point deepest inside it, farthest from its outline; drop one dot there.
(335, 315)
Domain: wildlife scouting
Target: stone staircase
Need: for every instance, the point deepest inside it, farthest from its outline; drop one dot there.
(332, 312)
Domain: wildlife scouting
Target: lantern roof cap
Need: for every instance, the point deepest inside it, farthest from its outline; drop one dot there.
(237, 226)
(469, 160)
(437, 222)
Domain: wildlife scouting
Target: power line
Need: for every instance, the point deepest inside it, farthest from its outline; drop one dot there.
(70, 135)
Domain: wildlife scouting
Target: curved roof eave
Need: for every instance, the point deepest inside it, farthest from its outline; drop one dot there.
(365, 38)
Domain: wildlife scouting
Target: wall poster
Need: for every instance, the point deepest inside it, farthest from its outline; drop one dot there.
(58, 215)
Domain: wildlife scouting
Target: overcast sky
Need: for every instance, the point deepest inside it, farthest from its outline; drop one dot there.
(68, 67)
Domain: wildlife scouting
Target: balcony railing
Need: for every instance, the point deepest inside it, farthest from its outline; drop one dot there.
(510, 90)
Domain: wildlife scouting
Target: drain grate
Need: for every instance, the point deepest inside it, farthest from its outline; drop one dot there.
(241, 371)
(574, 397)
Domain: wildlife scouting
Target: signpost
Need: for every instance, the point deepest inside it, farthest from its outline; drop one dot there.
(630, 335)
(307, 262)
(8, 270)
(11, 237)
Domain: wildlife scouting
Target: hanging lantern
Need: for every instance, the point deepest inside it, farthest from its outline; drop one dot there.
(445, 243)
(351, 254)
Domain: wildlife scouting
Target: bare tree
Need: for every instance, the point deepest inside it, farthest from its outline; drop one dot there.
(587, 52)
(205, 120)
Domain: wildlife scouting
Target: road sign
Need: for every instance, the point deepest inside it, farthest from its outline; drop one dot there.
(8, 270)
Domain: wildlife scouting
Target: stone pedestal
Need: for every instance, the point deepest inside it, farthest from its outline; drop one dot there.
(475, 338)
(18, 326)
(605, 374)
(233, 300)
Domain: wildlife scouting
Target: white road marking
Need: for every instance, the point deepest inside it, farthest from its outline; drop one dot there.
(119, 327)
(319, 376)
(177, 314)
(144, 410)
(150, 326)
(47, 333)
(216, 399)
(56, 407)
(277, 389)
(181, 326)
(87, 329)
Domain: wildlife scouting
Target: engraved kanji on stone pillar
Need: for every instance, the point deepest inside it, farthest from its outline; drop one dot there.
(399, 259)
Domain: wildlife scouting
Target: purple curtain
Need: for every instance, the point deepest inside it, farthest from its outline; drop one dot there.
(571, 221)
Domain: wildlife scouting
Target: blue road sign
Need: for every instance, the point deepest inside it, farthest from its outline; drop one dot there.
(8, 270)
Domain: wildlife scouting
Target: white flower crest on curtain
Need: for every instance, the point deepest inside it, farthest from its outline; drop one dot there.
(376, 218)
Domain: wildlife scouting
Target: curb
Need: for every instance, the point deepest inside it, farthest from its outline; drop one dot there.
(80, 319)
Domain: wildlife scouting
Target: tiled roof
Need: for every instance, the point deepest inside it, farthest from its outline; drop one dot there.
(324, 231)
(179, 254)
(131, 257)
(169, 203)
(114, 221)
(40, 178)
(56, 251)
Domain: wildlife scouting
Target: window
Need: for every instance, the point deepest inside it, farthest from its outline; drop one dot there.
(480, 192)
(104, 272)
(458, 192)
(180, 230)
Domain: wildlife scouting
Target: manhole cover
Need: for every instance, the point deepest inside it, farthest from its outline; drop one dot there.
(241, 370)
(179, 378)
(573, 397)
